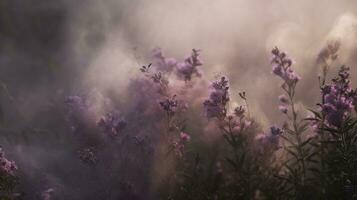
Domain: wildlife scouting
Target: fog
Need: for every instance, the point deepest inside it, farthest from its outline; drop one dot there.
(52, 49)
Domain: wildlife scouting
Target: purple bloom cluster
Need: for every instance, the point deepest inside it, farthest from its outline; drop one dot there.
(283, 107)
(158, 78)
(283, 99)
(188, 67)
(170, 105)
(338, 98)
(271, 138)
(7, 167)
(215, 106)
(282, 67)
(184, 70)
(162, 63)
(112, 123)
(180, 144)
(237, 123)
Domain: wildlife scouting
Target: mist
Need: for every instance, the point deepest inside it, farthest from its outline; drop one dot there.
(53, 49)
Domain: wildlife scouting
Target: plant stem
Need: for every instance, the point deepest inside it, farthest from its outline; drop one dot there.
(291, 94)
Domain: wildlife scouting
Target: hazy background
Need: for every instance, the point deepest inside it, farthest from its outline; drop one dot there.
(50, 49)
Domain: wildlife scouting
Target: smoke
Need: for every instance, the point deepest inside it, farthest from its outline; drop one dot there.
(235, 36)
(51, 49)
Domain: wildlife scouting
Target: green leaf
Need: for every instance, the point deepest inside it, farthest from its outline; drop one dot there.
(230, 161)
(292, 153)
(311, 155)
(287, 139)
(303, 127)
(317, 114)
(305, 142)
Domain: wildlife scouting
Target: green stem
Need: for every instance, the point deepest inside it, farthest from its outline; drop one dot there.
(322, 139)
(291, 94)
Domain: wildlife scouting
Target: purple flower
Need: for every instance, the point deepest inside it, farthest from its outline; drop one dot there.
(213, 110)
(282, 67)
(338, 98)
(217, 96)
(184, 70)
(335, 117)
(162, 63)
(159, 78)
(112, 123)
(179, 145)
(215, 106)
(170, 104)
(283, 99)
(274, 130)
(271, 138)
(184, 137)
(283, 109)
(188, 67)
(277, 70)
(7, 167)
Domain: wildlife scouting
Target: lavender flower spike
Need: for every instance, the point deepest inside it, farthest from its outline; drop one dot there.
(282, 67)
(215, 105)
(338, 98)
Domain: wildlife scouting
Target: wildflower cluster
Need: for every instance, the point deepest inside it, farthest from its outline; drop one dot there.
(188, 67)
(7, 167)
(179, 145)
(270, 138)
(216, 105)
(298, 150)
(185, 70)
(112, 123)
(8, 177)
(338, 98)
(162, 63)
(240, 163)
(282, 67)
(169, 105)
(158, 78)
(284, 103)
(335, 125)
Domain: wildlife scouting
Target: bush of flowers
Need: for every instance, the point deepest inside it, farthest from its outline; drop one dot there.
(156, 147)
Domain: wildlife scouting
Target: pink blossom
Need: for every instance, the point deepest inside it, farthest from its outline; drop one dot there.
(283, 109)
(283, 99)
(6, 166)
(185, 137)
